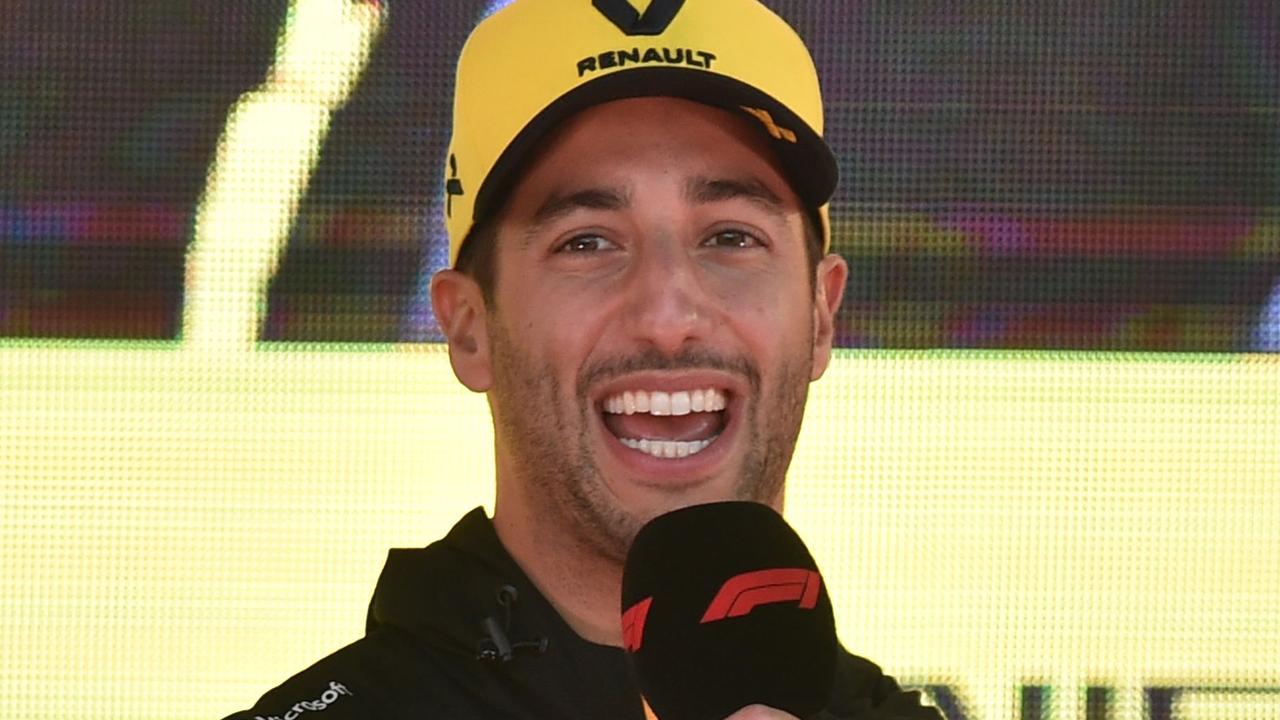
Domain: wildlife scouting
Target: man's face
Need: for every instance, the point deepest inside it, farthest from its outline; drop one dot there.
(654, 326)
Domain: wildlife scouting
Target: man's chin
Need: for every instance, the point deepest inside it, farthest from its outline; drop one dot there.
(645, 501)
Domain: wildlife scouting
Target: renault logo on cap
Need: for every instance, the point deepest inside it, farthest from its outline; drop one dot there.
(654, 21)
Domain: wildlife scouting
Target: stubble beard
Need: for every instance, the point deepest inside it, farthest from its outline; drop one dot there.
(547, 441)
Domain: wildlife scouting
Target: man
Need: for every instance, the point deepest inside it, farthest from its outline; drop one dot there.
(640, 284)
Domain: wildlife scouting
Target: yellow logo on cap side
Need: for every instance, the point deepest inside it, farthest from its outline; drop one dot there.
(777, 131)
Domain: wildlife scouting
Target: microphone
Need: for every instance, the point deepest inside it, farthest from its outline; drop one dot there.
(496, 646)
(723, 607)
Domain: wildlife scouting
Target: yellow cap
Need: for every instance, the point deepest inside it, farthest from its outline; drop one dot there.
(534, 63)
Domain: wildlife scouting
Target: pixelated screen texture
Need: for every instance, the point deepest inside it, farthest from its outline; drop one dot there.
(1088, 175)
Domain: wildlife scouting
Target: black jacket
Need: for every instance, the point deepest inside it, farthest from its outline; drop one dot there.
(420, 655)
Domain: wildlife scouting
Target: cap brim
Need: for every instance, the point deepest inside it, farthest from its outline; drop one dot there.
(808, 162)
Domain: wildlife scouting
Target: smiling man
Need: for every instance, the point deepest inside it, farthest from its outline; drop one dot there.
(642, 287)
(653, 322)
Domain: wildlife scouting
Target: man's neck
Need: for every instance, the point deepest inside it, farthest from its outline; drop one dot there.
(583, 586)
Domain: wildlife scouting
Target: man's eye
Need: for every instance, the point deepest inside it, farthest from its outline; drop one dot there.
(732, 239)
(586, 243)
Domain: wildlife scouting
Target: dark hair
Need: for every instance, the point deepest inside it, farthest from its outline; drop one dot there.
(477, 257)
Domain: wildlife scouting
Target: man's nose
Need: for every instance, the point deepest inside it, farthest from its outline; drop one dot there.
(670, 306)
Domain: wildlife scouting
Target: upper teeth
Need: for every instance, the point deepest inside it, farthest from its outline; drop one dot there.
(656, 402)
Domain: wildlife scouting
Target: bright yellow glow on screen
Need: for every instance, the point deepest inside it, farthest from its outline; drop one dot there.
(182, 531)
(264, 161)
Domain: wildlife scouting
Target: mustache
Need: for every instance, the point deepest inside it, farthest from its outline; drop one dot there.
(652, 359)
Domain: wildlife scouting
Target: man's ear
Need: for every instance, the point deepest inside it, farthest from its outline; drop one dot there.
(828, 289)
(460, 311)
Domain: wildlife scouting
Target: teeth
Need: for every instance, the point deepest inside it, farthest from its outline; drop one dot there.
(681, 402)
(659, 403)
(667, 448)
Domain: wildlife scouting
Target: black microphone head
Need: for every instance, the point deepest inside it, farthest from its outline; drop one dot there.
(723, 607)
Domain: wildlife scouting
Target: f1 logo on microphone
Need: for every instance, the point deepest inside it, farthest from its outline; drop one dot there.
(633, 624)
(743, 593)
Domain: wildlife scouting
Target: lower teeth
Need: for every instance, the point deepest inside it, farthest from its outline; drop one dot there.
(667, 448)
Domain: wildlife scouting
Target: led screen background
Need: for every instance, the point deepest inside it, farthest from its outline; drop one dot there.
(221, 400)
(1085, 175)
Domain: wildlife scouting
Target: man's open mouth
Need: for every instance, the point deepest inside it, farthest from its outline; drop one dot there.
(666, 424)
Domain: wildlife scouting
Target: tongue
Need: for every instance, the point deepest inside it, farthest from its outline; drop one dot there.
(694, 426)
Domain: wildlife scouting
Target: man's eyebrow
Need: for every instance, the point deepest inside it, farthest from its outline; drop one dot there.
(598, 198)
(702, 190)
